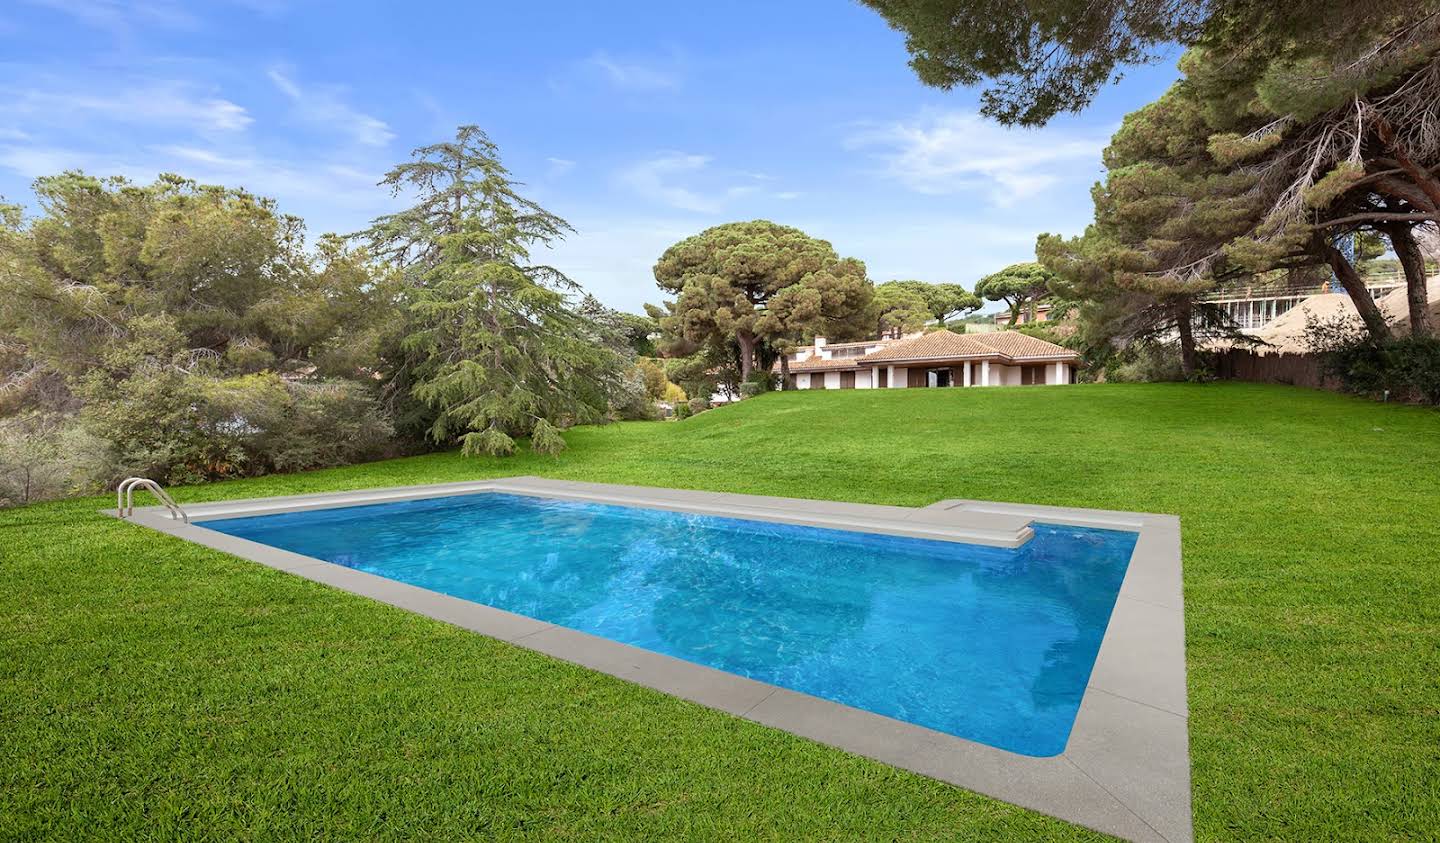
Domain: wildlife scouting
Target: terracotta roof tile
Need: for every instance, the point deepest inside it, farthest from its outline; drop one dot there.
(1001, 346)
(1016, 345)
(813, 364)
(934, 345)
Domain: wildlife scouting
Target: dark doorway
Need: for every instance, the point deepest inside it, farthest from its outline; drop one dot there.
(847, 380)
(937, 377)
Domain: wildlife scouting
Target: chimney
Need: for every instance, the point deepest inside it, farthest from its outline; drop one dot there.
(819, 342)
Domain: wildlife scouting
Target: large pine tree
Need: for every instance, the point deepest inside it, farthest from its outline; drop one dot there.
(496, 348)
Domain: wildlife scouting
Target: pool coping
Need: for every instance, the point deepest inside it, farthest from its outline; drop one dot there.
(1125, 770)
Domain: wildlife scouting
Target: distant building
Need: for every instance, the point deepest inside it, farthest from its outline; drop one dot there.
(1255, 306)
(939, 358)
(1042, 314)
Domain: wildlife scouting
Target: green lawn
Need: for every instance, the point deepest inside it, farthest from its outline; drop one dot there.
(153, 688)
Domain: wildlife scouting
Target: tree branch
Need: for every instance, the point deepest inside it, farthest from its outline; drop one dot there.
(1378, 216)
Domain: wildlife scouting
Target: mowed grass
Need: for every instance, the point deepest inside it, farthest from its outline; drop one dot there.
(150, 688)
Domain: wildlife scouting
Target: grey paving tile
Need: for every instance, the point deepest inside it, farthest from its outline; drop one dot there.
(1140, 755)
(1052, 786)
(1142, 655)
(585, 650)
(966, 519)
(1155, 574)
(697, 683)
(860, 732)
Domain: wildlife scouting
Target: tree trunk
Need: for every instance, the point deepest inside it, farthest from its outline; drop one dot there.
(1186, 327)
(747, 354)
(785, 372)
(1402, 240)
(1355, 286)
(1422, 178)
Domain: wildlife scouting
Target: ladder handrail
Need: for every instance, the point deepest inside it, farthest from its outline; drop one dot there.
(125, 498)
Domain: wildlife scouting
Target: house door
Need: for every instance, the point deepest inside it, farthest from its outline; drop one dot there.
(884, 378)
(817, 380)
(847, 380)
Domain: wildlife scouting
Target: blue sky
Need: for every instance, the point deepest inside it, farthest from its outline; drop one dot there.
(640, 124)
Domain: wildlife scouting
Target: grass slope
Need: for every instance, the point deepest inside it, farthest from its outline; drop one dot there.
(152, 688)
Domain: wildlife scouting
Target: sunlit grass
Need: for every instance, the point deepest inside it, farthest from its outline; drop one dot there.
(152, 688)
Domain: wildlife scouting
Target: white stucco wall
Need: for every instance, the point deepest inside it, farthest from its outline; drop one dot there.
(1004, 375)
(1000, 375)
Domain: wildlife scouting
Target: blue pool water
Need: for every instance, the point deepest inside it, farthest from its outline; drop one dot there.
(989, 644)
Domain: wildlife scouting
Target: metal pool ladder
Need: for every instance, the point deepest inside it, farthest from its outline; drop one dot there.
(125, 498)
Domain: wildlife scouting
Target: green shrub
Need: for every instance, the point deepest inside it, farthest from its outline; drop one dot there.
(1416, 364)
(762, 380)
(1148, 363)
(750, 389)
(682, 410)
(1407, 368)
(42, 456)
(632, 399)
(179, 428)
(698, 405)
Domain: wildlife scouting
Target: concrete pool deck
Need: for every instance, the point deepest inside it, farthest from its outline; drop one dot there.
(1125, 770)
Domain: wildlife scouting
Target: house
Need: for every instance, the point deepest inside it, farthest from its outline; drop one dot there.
(1043, 313)
(1254, 307)
(939, 358)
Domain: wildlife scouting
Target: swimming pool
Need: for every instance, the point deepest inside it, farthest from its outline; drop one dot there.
(991, 644)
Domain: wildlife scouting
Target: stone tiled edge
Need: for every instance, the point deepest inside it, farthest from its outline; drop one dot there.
(1000, 530)
(1125, 770)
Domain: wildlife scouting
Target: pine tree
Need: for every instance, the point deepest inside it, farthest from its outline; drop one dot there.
(497, 349)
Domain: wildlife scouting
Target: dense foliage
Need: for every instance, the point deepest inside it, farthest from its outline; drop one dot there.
(187, 332)
(183, 332)
(1270, 158)
(745, 292)
(1021, 286)
(1402, 369)
(758, 283)
(1043, 57)
(496, 349)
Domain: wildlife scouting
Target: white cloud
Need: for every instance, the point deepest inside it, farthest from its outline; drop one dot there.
(633, 75)
(121, 16)
(559, 167)
(268, 176)
(655, 179)
(207, 157)
(170, 104)
(614, 257)
(687, 182)
(324, 106)
(956, 152)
